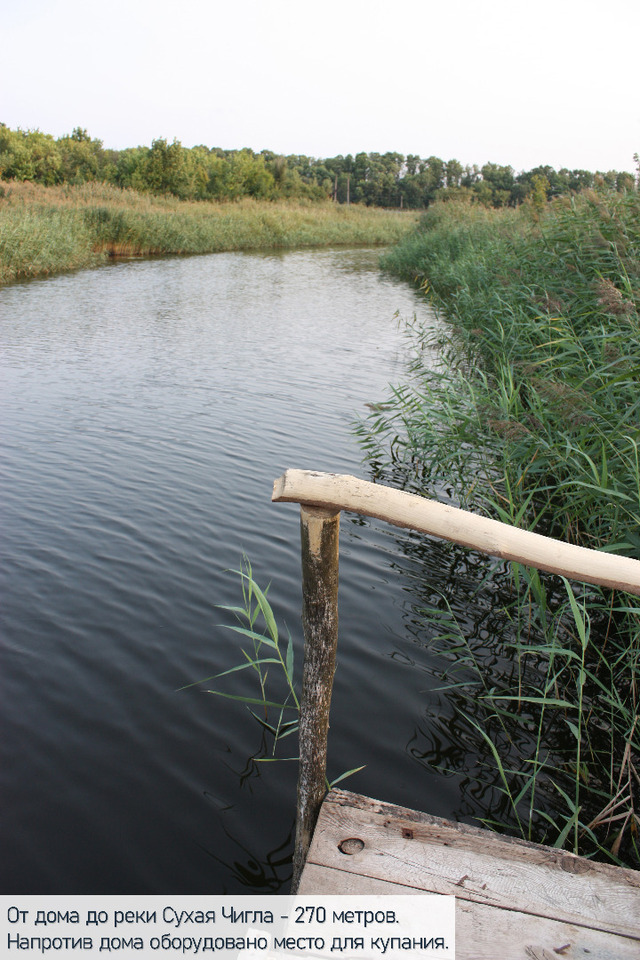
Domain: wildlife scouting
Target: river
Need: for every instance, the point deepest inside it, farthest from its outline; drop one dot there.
(147, 408)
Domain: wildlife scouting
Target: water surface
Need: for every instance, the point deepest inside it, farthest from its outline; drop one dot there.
(147, 408)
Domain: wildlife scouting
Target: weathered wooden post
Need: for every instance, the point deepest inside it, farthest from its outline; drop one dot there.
(319, 533)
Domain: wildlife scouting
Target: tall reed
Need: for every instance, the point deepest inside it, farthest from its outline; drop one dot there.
(45, 230)
(523, 402)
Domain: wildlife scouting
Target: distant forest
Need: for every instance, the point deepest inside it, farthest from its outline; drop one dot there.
(210, 173)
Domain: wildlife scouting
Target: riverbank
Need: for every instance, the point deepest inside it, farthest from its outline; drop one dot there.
(533, 417)
(48, 230)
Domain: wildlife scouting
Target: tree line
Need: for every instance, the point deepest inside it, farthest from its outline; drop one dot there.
(210, 173)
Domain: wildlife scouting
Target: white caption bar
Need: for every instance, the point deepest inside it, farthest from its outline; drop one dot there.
(229, 928)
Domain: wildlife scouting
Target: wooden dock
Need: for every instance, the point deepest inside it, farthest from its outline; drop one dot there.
(513, 899)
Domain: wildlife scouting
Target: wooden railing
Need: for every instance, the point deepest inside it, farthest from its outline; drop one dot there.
(322, 496)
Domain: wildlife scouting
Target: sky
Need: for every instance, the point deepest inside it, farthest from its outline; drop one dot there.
(508, 81)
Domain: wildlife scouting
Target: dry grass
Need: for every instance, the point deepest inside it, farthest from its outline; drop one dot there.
(45, 230)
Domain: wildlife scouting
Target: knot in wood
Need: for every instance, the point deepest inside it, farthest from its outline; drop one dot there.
(351, 845)
(574, 865)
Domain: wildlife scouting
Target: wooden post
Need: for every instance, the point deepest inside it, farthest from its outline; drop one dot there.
(319, 529)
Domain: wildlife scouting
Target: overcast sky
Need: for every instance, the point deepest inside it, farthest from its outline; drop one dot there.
(520, 83)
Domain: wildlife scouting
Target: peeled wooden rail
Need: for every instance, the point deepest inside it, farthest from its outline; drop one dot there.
(322, 496)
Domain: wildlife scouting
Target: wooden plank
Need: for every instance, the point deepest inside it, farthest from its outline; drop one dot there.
(415, 850)
(484, 932)
(320, 879)
(342, 492)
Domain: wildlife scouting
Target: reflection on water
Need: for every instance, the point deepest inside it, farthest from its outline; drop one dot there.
(254, 870)
(483, 655)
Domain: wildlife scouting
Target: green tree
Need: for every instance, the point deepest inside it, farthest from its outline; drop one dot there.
(80, 157)
(625, 181)
(501, 180)
(431, 178)
(483, 193)
(29, 155)
(470, 176)
(218, 172)
(249, 176)
(453, 172)
(164, 169)
(540, 191)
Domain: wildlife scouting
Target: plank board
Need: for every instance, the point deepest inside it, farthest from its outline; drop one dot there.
(536, 901)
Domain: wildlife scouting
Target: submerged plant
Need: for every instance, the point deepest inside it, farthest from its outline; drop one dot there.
(264, 653)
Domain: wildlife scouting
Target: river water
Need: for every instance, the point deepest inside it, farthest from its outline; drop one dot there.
(147, 408)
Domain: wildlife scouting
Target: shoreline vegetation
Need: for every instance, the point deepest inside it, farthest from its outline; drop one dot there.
(532, 416)
(48, 230)
(69, 202)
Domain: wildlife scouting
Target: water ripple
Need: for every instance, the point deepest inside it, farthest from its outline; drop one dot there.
(148, 407)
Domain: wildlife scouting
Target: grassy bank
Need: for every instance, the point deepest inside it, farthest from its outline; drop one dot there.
(531, 414)
(46, 230)
(544, 316)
